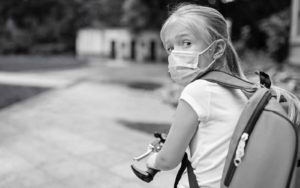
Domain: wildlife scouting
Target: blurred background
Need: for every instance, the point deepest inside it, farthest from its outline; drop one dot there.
(84, 83)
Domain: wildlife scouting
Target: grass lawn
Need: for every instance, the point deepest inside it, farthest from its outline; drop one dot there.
(12, 94)
(36, 62)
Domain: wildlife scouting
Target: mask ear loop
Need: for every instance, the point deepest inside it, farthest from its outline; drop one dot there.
(210, 50)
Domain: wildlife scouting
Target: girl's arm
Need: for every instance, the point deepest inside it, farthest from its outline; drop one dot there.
(182, 130)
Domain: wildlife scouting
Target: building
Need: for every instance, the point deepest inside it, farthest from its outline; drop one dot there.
(294, 56)
(120, 44)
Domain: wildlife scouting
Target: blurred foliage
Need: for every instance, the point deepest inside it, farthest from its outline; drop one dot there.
(260, 25)
(145, 14)
(50, 26)
(256, 25)
(37, 26)
(137, 14)
(277, 29)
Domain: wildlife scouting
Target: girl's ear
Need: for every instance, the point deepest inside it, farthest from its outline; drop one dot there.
(219, 49)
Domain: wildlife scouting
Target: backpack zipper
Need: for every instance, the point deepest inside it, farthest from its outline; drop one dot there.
(240, 149)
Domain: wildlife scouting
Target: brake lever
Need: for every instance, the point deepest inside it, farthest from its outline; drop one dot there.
(148, 152)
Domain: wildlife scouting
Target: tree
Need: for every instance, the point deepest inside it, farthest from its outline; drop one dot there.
(37, 26)
(144, 14)
(100, 13)
(136, 14)
(268, 26)
(50, 26)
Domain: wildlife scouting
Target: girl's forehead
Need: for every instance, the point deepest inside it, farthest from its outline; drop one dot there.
(177, 31)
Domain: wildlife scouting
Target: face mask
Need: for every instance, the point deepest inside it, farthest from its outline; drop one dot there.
(183, 65)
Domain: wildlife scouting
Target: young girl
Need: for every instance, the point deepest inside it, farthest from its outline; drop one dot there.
(198, 41)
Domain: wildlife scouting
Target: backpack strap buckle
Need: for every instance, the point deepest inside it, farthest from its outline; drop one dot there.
(264, 79)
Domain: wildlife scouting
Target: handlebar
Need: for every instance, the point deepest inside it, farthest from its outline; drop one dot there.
(155, 146)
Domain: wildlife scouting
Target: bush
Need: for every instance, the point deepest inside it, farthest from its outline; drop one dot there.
(33, 26)
(15, 41)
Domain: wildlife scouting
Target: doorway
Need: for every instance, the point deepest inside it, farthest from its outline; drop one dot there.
(113, 49)
(132, 50)
(152, 50)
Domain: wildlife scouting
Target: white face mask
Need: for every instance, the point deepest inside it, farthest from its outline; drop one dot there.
(183, 65)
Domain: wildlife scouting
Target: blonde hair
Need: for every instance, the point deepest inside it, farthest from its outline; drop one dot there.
(292, 104)
(209, 25)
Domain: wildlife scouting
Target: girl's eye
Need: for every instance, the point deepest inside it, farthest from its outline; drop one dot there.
(186, 43)
(169, 49)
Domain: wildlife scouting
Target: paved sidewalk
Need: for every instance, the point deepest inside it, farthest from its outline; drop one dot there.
(73, 137)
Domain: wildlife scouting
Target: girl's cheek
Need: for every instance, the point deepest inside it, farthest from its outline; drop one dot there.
(177, 48)
(203, 62)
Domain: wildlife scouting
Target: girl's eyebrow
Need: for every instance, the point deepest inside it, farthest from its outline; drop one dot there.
(181, 35)
(168, 41)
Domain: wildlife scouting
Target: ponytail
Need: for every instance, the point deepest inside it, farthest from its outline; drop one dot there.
(293, 104)
(233, 60)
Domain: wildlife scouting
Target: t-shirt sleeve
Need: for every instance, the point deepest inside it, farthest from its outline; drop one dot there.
(198, 96)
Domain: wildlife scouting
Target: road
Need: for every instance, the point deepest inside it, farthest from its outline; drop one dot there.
(84, 131)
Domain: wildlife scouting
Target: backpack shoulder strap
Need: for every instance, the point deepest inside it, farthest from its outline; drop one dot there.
(186, 164)
(228, 80)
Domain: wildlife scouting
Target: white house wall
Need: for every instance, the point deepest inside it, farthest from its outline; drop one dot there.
(294, 54)
(99, 42)
(144, 40)
(122, 39)
(89, 42)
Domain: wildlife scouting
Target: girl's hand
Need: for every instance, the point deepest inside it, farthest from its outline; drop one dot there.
(151, 160)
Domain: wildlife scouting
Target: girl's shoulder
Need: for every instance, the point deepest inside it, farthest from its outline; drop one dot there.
(198, 89)
(198, 95)
(199, 85)
(201, 82)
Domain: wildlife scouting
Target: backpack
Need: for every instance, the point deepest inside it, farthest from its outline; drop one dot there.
(263, 152)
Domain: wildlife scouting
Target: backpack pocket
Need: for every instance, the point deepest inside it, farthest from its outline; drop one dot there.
(270, 154)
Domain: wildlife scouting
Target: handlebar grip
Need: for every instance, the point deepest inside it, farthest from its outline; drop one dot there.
(147, 175)
(161, 136)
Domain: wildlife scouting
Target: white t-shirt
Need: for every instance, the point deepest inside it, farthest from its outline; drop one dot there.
(218, 109)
